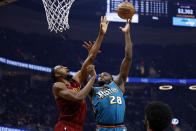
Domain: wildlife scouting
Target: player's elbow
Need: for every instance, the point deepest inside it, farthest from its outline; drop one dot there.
(79, 98)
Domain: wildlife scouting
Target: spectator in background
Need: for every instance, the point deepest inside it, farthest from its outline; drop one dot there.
(158, 116)
(177, 129)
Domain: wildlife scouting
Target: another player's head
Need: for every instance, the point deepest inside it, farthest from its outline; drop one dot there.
(60, 72)
(158, 116)
(104, 78)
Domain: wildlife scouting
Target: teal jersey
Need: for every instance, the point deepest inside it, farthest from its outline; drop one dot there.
(108, 104)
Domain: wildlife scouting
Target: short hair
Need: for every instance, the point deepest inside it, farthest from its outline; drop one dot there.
(53, 77)
(53, 72)
(158, 115)
(109, 75)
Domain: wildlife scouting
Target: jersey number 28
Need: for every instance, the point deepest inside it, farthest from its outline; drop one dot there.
(115, 100)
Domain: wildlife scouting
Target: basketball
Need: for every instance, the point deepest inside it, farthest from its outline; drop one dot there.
(125, 10)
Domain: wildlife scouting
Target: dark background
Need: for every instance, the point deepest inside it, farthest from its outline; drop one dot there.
(159, 51)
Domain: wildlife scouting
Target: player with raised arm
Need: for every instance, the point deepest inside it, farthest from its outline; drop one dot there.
(67, 91)
(107, 99)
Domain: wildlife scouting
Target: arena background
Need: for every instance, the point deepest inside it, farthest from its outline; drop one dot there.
(162, 54)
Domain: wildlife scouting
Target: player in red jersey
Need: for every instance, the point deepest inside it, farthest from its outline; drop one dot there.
(71, 100)
(69, 96)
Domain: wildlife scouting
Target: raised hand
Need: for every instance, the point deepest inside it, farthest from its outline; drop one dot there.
(103, 25)
(91, 70)
(126, 29)
(89, 45)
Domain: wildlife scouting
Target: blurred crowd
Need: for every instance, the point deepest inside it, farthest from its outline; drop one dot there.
(24, 106)
(27, 103)
(149, 59)
(26, 99)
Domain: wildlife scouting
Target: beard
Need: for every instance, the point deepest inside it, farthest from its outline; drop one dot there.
(68, 77)
(101, 83)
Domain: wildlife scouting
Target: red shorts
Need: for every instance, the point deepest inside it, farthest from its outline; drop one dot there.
(67, 126)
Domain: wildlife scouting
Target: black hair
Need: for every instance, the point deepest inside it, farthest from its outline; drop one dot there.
(158, 115)
(53, 75)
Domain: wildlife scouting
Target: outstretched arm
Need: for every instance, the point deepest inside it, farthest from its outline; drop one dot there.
(125, 65)
(82, 75)
(103, 29)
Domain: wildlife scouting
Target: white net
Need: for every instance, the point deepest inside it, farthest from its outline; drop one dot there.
(57, 13)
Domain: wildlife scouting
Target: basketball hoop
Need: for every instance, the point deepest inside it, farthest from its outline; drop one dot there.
(57, 13)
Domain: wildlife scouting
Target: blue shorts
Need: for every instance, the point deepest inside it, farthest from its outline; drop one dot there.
(111, 129)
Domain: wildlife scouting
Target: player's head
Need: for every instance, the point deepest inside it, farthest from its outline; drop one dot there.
(158, 116)
(104, 78)
(60, 72)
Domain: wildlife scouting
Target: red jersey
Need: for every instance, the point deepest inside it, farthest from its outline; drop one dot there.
(72, 114)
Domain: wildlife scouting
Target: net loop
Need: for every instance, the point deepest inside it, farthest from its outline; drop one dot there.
(57, 13)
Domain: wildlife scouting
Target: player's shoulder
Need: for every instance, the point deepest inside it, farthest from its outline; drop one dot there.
(77, 76)
(58, 85)
(114, 83)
